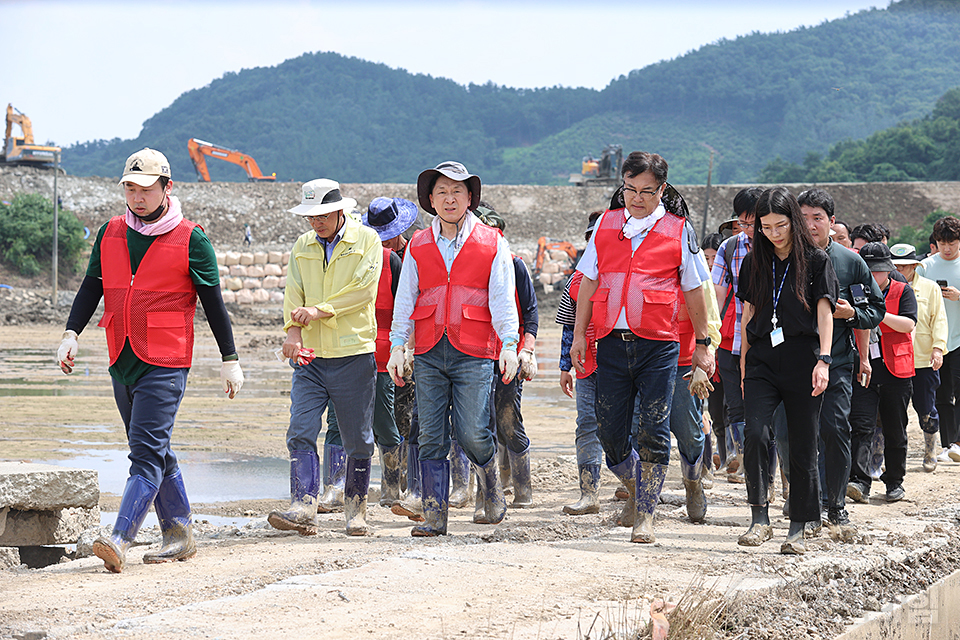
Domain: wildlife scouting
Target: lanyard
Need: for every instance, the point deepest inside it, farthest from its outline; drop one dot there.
(776, 293)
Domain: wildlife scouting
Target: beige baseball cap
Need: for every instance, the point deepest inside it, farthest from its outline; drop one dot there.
(145, 167)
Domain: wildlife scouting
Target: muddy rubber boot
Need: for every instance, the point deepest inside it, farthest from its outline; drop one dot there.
(794, 544)
(491, 506)
(620, 493)
(404, 451)
(876, 457)
(138, 494)
(390, 476)
(760, 530)
(411, 504)
(650, 477)
(506, 478)
(706, 466)
(176, 523)
(304, 486)
(626, 471)
(461, 477)
(735, 464)
(522, 482)
(435, 484)
(334, 470)
(930, 442)
(589, 492)
(355, 488)
(693, 486)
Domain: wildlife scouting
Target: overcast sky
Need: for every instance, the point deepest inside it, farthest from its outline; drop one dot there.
(90, 70)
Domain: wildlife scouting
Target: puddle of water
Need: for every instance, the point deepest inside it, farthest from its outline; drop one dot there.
(109, 518)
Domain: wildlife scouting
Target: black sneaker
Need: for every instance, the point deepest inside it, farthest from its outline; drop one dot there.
(838, 516)
(895, 493)
(857, 492)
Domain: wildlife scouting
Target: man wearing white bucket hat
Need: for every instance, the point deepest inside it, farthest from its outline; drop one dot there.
(328, 313)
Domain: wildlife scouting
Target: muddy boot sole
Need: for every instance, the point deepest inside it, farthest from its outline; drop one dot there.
(401, 510)
(794, 546)
(277, 521)
(586, 505)
(643, 531)
(113, 558)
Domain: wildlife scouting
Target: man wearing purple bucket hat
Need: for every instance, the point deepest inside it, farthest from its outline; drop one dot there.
(457, 297)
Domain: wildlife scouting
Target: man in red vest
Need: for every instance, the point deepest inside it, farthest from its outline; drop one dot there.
(638, 263)
(456, 297)
(149, 266)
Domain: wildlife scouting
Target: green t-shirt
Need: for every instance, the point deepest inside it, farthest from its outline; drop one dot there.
(203, 271)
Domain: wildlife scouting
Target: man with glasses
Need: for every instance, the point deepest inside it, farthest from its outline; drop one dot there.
(726, 280)
(328, 309)
(637, 264)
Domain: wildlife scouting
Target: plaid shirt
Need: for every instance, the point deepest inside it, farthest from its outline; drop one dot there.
(726, 272)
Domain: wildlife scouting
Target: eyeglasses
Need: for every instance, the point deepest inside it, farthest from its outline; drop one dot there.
(745, 225)
(783, 227)
(646, 193)
(322, 218)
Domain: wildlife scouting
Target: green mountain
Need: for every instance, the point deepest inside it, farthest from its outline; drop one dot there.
(750, 100)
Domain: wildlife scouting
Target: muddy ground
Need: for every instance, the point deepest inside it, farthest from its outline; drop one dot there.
(539, 574)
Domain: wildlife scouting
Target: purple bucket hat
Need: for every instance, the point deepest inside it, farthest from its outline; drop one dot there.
(390, 217)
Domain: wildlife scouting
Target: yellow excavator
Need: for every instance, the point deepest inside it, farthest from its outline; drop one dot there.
(22, 150)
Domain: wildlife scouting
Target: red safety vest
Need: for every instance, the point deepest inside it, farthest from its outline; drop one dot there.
(646, 282)
(456, 303)
(590, 360)
(154, 309)
(384, 313)
(897, 347)
(729, 323)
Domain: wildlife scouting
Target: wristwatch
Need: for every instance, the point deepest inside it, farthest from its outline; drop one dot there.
(705, 341)
(826, 359)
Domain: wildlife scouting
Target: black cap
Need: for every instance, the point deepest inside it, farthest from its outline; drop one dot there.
(877, 256)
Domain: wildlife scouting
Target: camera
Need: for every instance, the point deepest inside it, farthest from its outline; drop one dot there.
(858, 297)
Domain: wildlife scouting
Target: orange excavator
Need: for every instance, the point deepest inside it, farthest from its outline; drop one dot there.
(199, 150)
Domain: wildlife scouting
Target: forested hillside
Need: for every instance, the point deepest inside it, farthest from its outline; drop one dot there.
(751, 100)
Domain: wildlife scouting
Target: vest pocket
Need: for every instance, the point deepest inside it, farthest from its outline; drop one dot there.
(659, 309)
(424, 326)
(166, 334)
(599, 300)
(106, 322)
(475, 328)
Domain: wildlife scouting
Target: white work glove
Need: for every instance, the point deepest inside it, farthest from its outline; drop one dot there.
(700, 385)
(528, 364)
(231, 377)
(67, 351)
(508, 364)
(407, 362)
(395, 364)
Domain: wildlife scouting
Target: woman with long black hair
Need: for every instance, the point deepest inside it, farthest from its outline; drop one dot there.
(789, 291)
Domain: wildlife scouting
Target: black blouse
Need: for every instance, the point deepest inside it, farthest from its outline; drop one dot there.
(791, 316)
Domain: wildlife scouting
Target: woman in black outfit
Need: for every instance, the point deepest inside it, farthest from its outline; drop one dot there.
(789, 291)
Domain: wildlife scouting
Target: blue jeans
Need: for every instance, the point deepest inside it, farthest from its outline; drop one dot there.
(350, 383)
(444, 375)
(926, 381)
(686, 419)
(148, 408)
(385, 431)
(625, 369)
(589, 449)
(506, 420)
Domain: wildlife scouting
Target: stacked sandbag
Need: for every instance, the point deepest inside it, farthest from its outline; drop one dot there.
(253, 278)
(552, 275)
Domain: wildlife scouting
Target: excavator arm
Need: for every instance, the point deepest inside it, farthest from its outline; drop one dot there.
(199, 150)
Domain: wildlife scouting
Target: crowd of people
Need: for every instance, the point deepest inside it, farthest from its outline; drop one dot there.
(414, 338)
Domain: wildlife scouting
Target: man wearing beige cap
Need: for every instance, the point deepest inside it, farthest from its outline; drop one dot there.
(149, 266)
(328, 308)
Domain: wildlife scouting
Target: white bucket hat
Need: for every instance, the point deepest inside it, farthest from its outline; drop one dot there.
(322, 196)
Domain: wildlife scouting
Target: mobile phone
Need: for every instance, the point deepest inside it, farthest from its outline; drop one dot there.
(943, 284)
(858, 295)
(863, 379)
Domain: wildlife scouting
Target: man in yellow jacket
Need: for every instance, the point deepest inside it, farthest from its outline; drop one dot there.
(330, 322)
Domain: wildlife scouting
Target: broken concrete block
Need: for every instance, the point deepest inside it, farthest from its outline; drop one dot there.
(9, 557)
(35, 528)
(45, 487)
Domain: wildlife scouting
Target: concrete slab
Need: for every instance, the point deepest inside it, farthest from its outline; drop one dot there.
(9, 557)
(35, 528)
(45, 487)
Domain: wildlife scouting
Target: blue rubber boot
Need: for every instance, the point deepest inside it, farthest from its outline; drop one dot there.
(522, 486)
(390, 475)
(411, 505)
(355, 490)
(693, 486)
(626, 471)
(138, 495)
(460, 475)
(304, 486)
(650, 479)
(176, 523)
(491, 506)
(589, 492)
(334, 473)
(436, 486)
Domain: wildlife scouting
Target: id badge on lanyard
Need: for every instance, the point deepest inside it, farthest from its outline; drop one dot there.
(776, 335)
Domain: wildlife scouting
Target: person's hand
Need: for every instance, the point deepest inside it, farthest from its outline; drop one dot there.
(950, 293)
(703, 359)
(844, 310)
(395, 364)
(67, 350)
(566, 383)
(408, 354)
(821, 377)
(305, 315)
(866, 372)
(231, 378)
(936, 359)
(578, 353)
(292, 345)
(508, 364)
(528, 364)
(700, 385)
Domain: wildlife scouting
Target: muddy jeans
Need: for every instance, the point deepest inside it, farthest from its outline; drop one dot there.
(626, 369)
(589, 449)
(686, 419)
(506, 420)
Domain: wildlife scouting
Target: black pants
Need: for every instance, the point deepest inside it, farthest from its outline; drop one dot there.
(946, 398)
(729, 366)
(891, 398)
(717, 406)
(774, 375)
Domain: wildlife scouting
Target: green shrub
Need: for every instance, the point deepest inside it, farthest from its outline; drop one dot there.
(26, 235)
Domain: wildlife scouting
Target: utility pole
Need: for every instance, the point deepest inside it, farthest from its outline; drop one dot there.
(56, 222)
(706, 198)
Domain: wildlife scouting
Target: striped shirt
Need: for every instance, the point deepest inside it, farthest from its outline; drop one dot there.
(726, 272)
